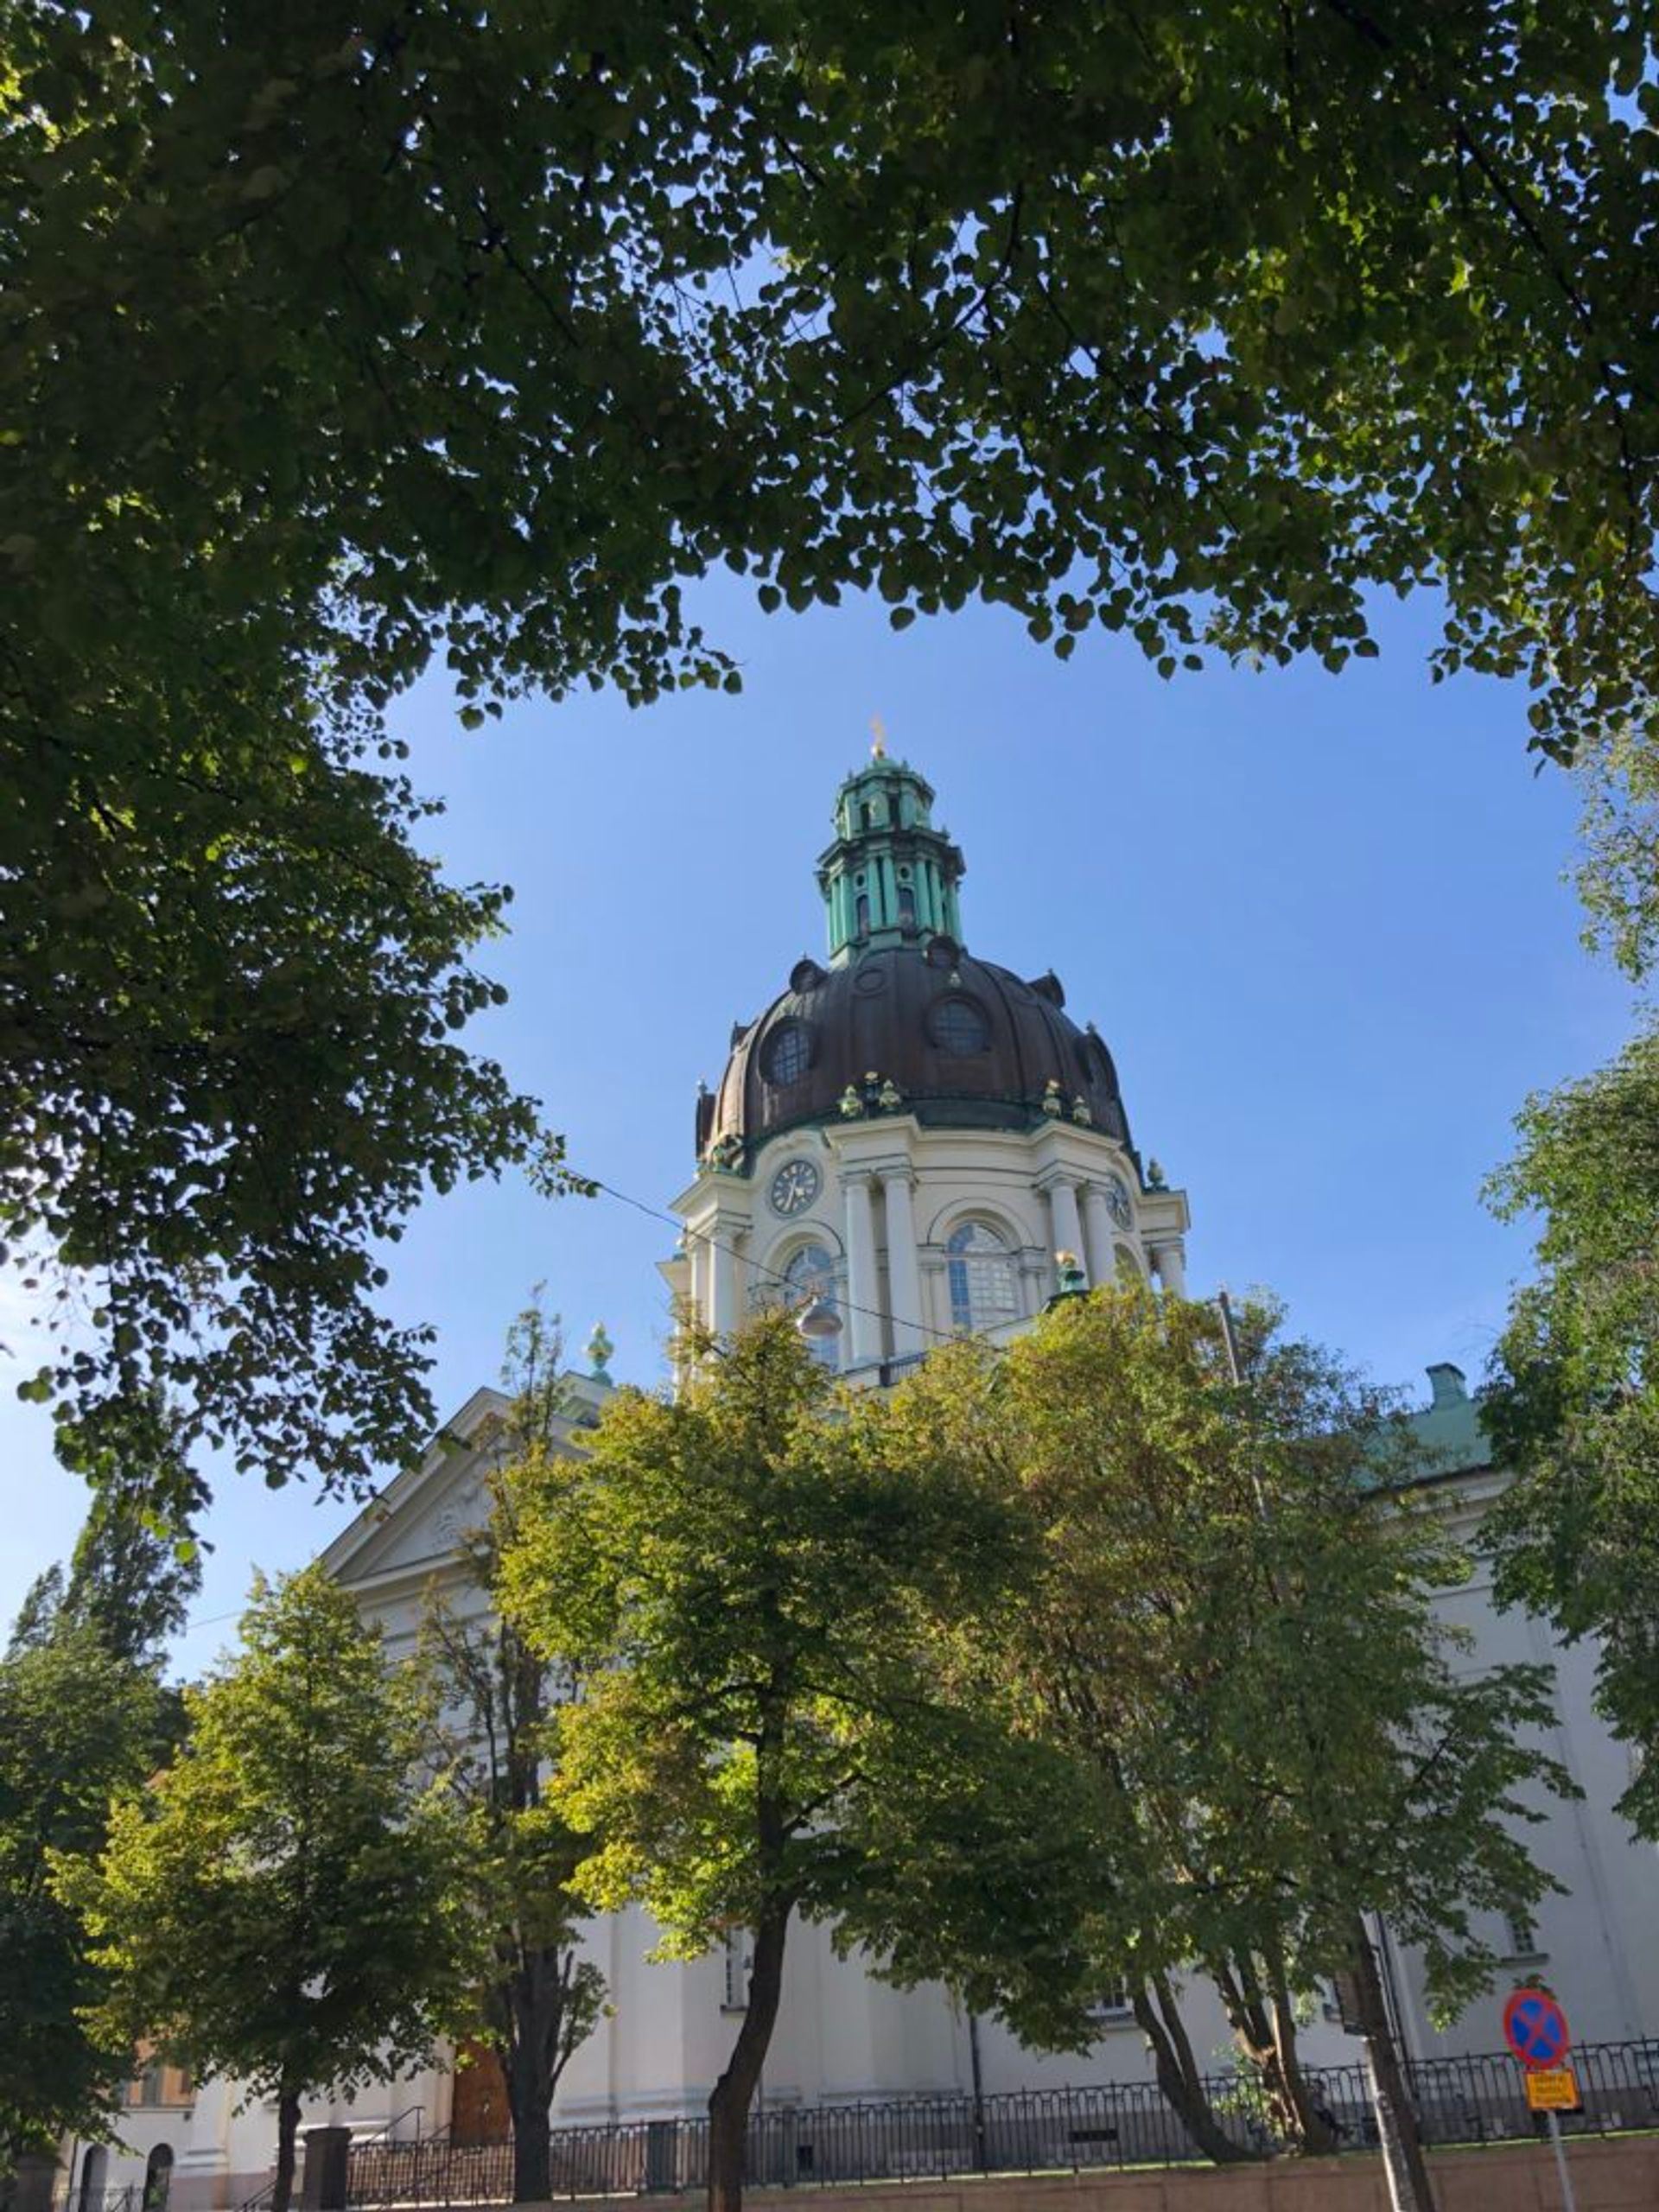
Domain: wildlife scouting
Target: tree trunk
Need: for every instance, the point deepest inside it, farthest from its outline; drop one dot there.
(287, 2129)
(535, 1996)
(1315, 2130)
(529, 2095)
(733, 2093)
(1258, 2008)
(1409, 2187)
(1178, 2074)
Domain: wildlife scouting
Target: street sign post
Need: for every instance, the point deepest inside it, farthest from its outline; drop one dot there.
(1534, 2027)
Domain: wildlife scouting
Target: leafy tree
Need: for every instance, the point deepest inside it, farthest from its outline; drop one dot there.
(381, 332)
(135, 1564)
(495, 1699)
(131, 1577)
(77, 1723)
(1235, 1632)
(285, 1904)
(83, 1713)
(748, 1592)
(1573, 1403)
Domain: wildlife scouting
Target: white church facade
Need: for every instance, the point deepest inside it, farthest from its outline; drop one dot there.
(904, 1141)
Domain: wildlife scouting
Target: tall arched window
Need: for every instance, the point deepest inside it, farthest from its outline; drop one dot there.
(984, 1286)
(95, 2167)
(158, 2177)
(809, 1273)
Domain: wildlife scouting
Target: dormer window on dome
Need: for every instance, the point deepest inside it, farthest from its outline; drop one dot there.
(789, 1053)
(958, 1025)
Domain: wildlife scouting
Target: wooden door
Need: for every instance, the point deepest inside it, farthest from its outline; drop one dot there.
(478, 2105)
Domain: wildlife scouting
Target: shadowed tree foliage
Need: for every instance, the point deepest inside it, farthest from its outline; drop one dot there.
(77, 1723)
(83, 1715)
(1572, 1401)
(286, 1903)
(377, 334)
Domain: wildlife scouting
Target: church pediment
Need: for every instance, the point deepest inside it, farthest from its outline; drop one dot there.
(424, 1513)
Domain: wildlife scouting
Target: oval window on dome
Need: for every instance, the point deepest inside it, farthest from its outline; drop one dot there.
(959, 1026)
(788, 1054)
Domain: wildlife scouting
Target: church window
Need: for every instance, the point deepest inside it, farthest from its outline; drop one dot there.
(1114, 2003)
(788, 1054)
(906, 906)
(984, 1288)
(809, 1273)
(959, 1026)
(863, 915)
(158, 2177)
(735, 1988)
(1520, 1935)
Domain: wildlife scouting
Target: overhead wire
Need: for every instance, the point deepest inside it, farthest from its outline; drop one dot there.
(714, 1244)
(757, 1267)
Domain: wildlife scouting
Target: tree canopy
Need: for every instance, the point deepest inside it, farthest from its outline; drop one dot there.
(1572, 1403)
(756, 1599)
(1232, 1630)
(366, 337)
(78, 1722)
(285, 1904)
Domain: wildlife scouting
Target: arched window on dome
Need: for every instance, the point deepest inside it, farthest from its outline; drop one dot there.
(809, 1273)
(984, 1285)
(788, 1054)
(958, 1026)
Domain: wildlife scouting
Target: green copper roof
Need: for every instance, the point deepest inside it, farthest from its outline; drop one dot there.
(890, 877)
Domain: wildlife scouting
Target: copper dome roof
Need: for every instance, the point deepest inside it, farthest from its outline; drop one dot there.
(965, 1044)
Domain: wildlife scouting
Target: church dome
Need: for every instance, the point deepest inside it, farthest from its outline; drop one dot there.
(964, 1043)
(902, 1018)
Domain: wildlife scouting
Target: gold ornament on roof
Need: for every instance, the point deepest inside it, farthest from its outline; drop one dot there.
(879, 738)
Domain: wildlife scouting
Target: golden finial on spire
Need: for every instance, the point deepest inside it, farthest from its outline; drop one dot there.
(879, 734)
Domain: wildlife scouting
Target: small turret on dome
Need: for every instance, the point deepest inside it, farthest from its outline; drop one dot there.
(890, 877)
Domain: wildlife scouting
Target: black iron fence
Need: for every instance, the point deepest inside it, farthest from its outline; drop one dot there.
(1458, 2101)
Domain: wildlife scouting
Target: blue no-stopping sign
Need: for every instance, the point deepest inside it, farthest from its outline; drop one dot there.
(1534, 2027)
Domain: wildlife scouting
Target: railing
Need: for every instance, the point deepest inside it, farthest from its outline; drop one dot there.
(1458, 2101)
(387, 2131)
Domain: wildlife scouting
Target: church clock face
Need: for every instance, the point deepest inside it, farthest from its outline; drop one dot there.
(1117, 1201)
(794, 1186)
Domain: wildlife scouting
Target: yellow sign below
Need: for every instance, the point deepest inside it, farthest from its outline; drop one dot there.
(1553, 2089)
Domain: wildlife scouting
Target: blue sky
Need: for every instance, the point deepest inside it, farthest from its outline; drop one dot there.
(1320, 920)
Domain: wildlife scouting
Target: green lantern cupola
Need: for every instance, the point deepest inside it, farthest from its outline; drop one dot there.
(890, 878)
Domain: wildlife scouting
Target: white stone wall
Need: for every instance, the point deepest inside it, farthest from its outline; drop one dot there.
(889, 1193)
